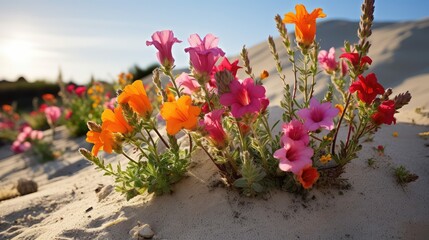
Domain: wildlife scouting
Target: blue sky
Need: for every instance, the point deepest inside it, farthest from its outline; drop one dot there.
(105, 37)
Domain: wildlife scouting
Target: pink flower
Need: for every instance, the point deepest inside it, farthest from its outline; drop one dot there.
(163, 41)
(52, 113)
(318, 115)
(327, 60)
(188, 84)
(203, 54)
(19, 147)
(245, 97)
(110, 104)
(296, 131)
(265, 102)
(294, 156)
(80, 91)
(36, 135)
(212, 124)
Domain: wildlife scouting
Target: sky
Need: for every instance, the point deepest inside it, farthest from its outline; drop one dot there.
(106, 37)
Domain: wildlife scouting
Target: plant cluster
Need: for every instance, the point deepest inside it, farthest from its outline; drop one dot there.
(227, 117)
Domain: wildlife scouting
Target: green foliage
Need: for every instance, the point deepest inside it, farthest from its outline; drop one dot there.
(403, 176)
(43, 151)
(82, 111)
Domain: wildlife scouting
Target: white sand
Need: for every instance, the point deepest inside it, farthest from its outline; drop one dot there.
(374, 208)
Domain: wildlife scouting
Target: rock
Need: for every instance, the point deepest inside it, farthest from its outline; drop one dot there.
(141, 232)
(25, 186)
(104, 192)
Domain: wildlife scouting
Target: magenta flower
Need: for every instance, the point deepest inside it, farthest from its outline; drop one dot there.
(293, 156)
(296, 131)
(244, 97)
(318, 115)
(187, 83)
(212, 124)
(163, 41)
(327, 60)
(52, 113)
(203, 54)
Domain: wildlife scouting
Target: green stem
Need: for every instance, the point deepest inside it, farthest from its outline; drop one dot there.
(129, 158)
(160, 137)
(172, 79)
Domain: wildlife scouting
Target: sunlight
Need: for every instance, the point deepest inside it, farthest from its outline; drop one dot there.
(18, 52)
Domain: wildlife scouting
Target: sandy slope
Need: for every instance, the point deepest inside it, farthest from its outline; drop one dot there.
(374, 208)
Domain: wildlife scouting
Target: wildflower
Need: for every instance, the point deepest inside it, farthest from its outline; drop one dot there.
(380, 150)
(308, 176)
(293, 156)
(205, 107)
(318, 115)
(7, 108)
(102, 140)
(204, 55)
(367, 87)
(170, 94)
(114, 121)
(52, 113)
(226, 65)
(296, 131)
(344, 68)
(70, 88)
(110, 104)
(180, 114)
(340, 109)
(356, 60)
(244, 97)
(325, 158)
(212, 124)
(305, 23)
(19, 147)
(385, 113)
(49, 98)
(187, 84)
(36, 135)
(326, 138)
(264, 74)
(395, 134)
(264, 102)
(327, 60)
(80, 91)
(163, 41)
(135, 95)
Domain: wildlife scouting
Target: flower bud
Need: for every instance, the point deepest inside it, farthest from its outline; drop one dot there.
(93, 126)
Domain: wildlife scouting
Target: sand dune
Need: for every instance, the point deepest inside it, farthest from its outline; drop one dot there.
(67, 207)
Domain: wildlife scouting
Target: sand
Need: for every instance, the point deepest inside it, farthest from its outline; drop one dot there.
(66, 205)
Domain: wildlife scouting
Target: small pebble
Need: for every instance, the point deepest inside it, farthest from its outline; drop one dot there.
(25, 186)
(104, 192)
(141, 232)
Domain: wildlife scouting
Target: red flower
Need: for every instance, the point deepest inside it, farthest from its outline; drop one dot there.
(308, 176)
(385, 113)
(70, 88)
(80, 91)
(356, 60)
(367, 87)
(226, 65)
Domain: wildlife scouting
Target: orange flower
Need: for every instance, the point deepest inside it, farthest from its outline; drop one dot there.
(7, 108)
(170, 94)
(308, 176)
(135, 95)
(340, 109)
(305, 24)
(48, 97)
(180, 114)
(114, 121)
(102, 141)
(264, 74)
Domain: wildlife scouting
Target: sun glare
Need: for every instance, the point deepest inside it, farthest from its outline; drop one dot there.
(18, 52)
